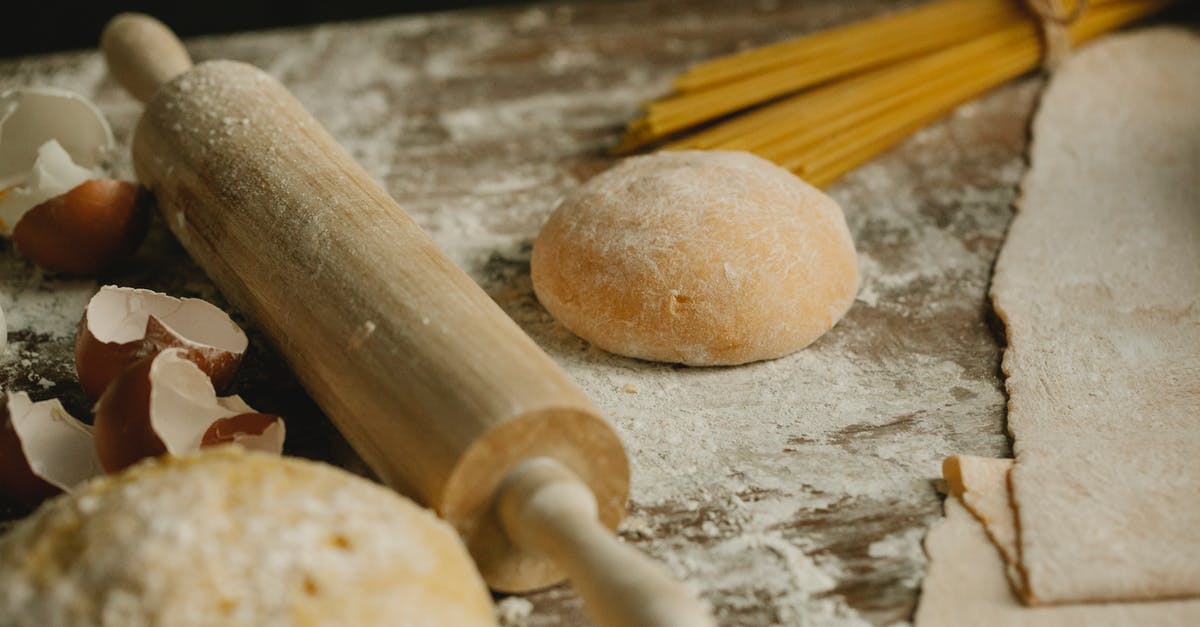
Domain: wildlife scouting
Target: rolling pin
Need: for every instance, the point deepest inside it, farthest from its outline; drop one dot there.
(437, 389)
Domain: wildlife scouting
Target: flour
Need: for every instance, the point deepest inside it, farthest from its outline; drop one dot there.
(44, 306)
(903, 545)
(513, 611)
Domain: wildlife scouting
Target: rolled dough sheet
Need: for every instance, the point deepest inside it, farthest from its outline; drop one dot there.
(965, 586)
(1098, 284)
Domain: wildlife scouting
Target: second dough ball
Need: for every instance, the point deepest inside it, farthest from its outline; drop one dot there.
(699, 257)
(237, 539)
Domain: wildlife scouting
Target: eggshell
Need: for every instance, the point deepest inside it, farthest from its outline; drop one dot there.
(254, 431)
(86, 230)
(51, 174)
(51, 140)
(32, 116)
(121, 325)
(121, 421)
(17, 480)
(43, 449)
(164, 403)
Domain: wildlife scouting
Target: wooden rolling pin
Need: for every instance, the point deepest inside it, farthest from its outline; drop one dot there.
(438, 390)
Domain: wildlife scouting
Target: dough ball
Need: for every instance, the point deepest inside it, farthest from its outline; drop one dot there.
(698, 257)
(232, 538)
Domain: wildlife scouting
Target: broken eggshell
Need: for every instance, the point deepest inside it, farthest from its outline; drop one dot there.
(50, 174)
(248, 428)
(55, 202)
(43, 449)
(164, 404)
(122, 324)
(32, 116)
(51, 140)
(85, 230)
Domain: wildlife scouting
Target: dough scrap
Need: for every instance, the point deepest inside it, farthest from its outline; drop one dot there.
(703, 258)
(1098, 285)
(235, 539)
(981, 484)
(965, 586)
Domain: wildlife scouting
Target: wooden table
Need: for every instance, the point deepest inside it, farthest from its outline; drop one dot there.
(790, 492)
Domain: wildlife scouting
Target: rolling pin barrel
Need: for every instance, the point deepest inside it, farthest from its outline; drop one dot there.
(438, 390)
(441, 393)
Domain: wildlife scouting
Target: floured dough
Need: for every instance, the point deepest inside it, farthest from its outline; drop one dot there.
(226, 538)
(1098, 284)
(698, 257)
(965, 586)
(981, 484)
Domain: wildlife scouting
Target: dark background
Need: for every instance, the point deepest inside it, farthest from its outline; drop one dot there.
(39, 26)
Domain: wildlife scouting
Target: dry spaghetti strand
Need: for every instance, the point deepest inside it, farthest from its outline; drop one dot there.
(926, 27)
(824, 131)
(825, 162)
(723, 86)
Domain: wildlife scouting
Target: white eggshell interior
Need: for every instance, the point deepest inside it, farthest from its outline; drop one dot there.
(269, 441)
(119, 315)
(59, 448)
(32, 116)
(183, 404)
(53, 174)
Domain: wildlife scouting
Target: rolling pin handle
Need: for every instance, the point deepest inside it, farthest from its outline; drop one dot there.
(142, 53)
(544, 507)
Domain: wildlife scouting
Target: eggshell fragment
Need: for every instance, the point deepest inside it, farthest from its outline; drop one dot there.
(43, 449)
(85, 230)
(51, 174)
(32, 116)
(51, 140)
(255, 431)
(121, 325)
(165, 404)
(55, 201)
(248, 428)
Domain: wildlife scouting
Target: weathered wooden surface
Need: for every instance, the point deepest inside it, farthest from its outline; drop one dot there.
(790, 492)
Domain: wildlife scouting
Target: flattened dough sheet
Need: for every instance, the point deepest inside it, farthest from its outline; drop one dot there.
(965, 587)
(1098, 284)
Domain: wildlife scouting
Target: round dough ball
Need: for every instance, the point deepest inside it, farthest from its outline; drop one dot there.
(231, 538)
(698, 257)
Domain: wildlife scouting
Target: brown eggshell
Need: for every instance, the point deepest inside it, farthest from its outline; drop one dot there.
(17, 480)
(112, 335)
(86, 230)
(122, 420)
(219, 365)
(230, 430)
(43, 449)
(99, 363)
(164, 403)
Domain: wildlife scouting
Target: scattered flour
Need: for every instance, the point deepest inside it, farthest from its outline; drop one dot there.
(904, 545)
(43, 306)
(513, 611)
